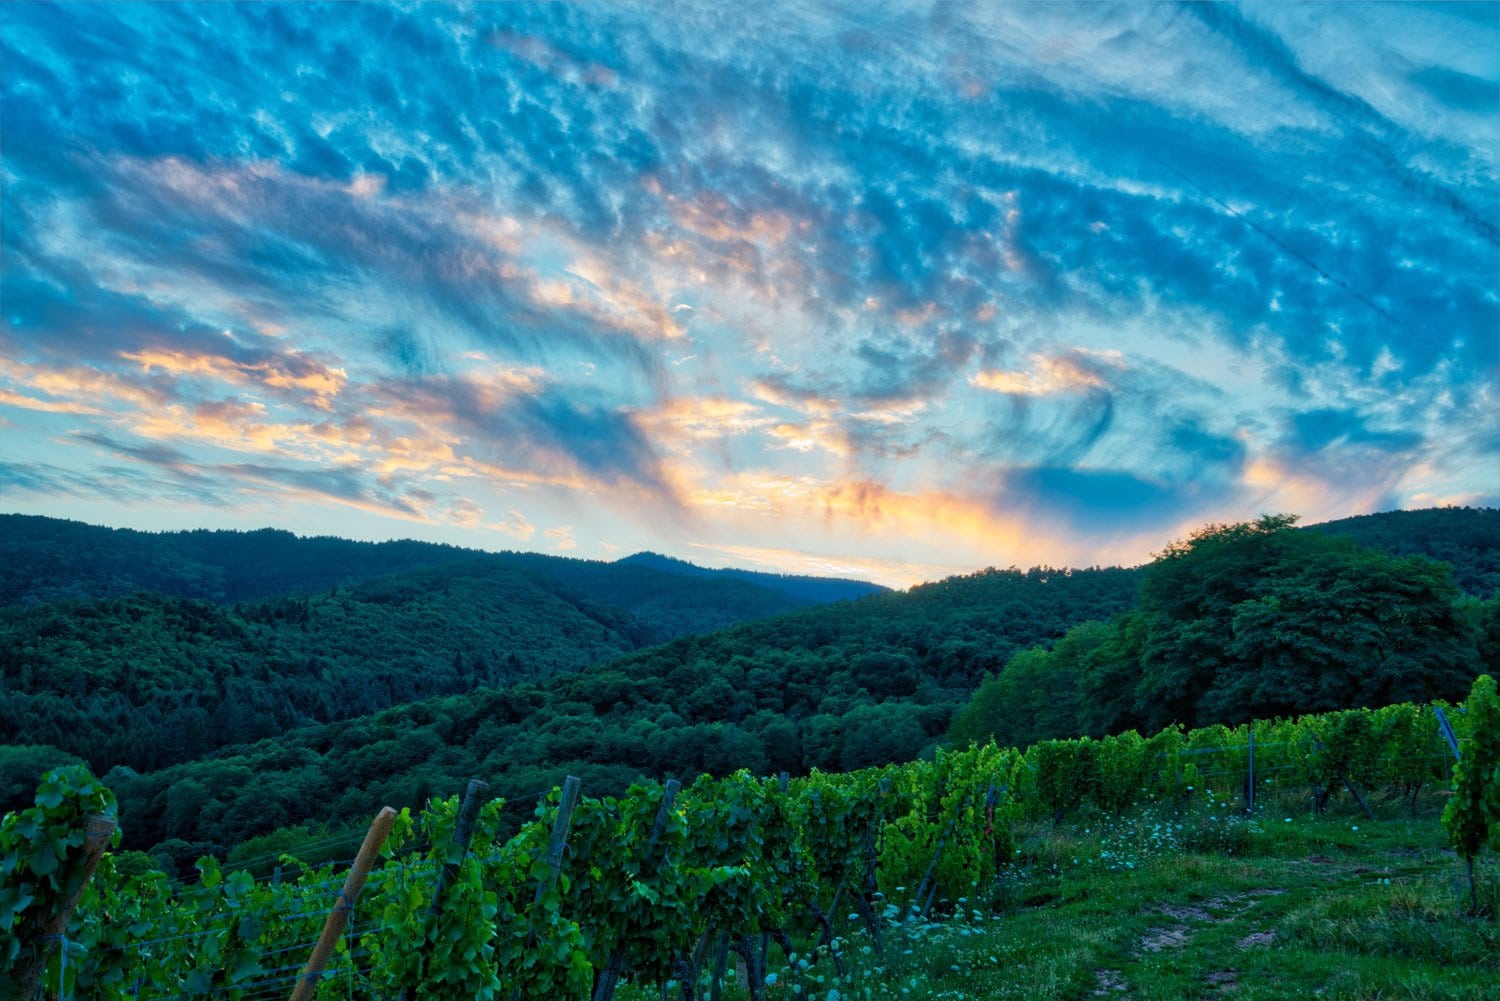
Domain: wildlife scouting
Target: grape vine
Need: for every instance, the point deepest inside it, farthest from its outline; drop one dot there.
(660, 884)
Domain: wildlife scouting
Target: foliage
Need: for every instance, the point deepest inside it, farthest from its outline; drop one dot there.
(1257, 620)
(834, 687)
(1474, 811)
(1036, 696)
(1467, 539)
(45, 560)
(20, 764)
(134, 683)
(42, 859)
(1243, 621)
(648, 883)
(150, 680)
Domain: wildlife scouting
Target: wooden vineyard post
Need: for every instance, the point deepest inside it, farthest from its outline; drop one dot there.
(333, 927)
(604, 984)
(463, 832)
(1356, 794)
(1447, 731)
(668, 798)
(1350, 786)
(937, 857)
(556, 845)
(97, 832)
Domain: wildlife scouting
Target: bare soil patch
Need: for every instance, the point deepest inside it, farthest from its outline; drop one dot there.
(1257, 938)
(1109, 983)
(1165, 937)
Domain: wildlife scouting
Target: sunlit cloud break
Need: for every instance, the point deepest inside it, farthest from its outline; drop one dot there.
(895, 291)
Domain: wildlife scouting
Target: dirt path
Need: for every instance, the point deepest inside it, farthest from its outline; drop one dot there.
(1187, 919)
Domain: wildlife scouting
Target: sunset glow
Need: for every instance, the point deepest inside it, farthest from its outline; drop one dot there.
(880, 291)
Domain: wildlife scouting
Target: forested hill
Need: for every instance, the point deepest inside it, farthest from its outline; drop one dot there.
(49, 559)
(812, 589)
(1467, 539)
(1255, 621)
(147, 649)
(834, 687)
(150, 679)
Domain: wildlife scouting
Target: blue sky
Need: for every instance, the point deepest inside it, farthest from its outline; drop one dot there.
(892, 292)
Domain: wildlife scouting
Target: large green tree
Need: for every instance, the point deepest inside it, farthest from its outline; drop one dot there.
(1256, 619)
(1036, 696)
(1251, 620)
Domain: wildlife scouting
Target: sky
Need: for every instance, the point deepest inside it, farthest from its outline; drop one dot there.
(883, 291)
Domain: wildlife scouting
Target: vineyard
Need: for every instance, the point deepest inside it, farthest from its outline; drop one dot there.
(671, 889)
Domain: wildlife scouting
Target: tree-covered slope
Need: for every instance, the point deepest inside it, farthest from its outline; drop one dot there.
(1254, 620)
(158, 648)
(1467, 539)
(49, 559)
(46, 560)
(801, 587)
(834, 687)
(671, 604)
(147, 680)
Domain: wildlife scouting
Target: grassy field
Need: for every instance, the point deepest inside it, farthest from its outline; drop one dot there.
(1207, 905)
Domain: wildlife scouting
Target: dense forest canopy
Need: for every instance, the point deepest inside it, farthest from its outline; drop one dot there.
(813, 589)
(149, 679)
(518, 669)
(50, 559)
(1248, 621)
(1467, 539)
(834, 687)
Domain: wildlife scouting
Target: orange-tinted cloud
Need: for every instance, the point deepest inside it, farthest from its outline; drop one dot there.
(315, 383)
(10, 398)
(829, 436)
(562, 537)
(686, 422)
(1050, 374)
(77, 385)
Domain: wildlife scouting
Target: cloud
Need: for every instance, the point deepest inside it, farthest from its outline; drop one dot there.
(107, 484)
(515, 524)
(562, 538)
(465, 512)
(843, 265)
(551, 432)
(1071, 373)
(1310, 432)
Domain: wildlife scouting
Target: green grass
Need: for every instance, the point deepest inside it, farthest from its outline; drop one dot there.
(1207, 905)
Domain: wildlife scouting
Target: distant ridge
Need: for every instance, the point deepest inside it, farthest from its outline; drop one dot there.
(187, 641)
(1466, 538)
(803, 588)
(51, 559)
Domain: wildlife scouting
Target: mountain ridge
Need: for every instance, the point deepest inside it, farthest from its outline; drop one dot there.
(812, 588)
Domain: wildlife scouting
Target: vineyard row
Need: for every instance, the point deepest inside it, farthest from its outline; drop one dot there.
(666, 884)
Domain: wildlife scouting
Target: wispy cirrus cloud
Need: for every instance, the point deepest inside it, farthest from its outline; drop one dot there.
(993, 279)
